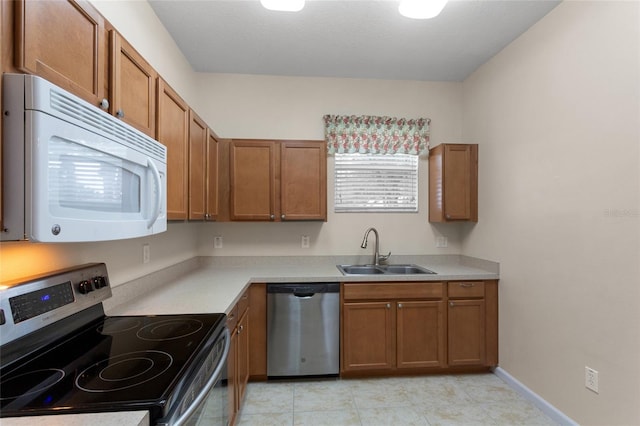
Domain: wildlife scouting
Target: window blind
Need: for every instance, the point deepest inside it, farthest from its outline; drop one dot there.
(376, 183)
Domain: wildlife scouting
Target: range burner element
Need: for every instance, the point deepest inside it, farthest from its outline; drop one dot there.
(124, 371)
(170, 329)
(30, 383)
(115, 325)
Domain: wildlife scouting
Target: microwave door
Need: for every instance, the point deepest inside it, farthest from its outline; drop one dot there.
(85, 187)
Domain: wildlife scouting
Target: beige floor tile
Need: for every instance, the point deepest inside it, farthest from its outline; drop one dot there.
(517, 413)
(267, 419)
(436, 393)
(458, 415)
(271, 397)
(405, 416)
(316, 396)
(381, 398)
(327, 418)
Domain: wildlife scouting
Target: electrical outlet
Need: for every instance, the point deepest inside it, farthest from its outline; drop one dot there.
(304, 243)
(217, 241)
(591, 379)
(441, 242)
(146, 253)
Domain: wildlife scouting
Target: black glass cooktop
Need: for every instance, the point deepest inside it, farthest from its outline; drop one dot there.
(112, 364)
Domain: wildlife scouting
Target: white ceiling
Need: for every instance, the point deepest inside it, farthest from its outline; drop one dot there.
(349, 39)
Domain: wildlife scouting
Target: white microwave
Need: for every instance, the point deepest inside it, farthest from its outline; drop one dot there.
(74, 173)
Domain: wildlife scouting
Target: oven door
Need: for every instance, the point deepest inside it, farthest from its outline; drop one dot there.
(82, 186)
(206, 401)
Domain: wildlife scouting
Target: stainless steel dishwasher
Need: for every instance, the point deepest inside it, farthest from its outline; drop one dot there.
(303, 329)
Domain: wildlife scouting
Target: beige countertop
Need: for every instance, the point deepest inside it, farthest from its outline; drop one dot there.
(215, 284)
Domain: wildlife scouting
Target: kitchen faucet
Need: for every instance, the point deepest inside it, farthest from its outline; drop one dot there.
(377, 257)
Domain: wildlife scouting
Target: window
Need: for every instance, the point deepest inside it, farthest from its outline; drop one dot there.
(376, 183)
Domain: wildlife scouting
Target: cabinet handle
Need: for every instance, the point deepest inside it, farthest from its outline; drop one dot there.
(120, 113)
(272, 217)
(388, 305)
(467, 284)
(450, 303)
(281, 216)
(240, 329)
(399, 305)
(104, 104)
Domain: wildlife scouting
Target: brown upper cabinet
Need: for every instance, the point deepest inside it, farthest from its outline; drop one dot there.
(132, 84)
(453, 183)
(211, 177)
(63, 42)
(173, 132)
(277, 180)
(197, 166)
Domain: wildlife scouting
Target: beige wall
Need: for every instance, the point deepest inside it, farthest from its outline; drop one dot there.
(557, 117)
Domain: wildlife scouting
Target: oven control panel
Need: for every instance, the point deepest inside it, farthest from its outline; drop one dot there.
(31, 303)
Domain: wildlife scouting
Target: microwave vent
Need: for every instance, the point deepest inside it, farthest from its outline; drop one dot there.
(99, 120)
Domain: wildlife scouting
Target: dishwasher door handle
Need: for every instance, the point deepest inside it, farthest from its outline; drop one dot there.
(301, 295)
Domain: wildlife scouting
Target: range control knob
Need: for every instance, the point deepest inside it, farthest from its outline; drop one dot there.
(85, 286)
(99, 282)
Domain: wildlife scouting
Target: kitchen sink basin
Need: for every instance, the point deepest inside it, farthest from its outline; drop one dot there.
(383, 270)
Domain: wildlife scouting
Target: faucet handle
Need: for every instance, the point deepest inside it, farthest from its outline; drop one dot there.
(384, 257)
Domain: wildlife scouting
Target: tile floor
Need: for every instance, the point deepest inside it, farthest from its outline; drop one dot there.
(475, 399)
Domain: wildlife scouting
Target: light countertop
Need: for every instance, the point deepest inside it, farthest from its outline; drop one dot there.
(215, 284)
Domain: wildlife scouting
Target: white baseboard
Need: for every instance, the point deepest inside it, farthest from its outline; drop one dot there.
(551, 411)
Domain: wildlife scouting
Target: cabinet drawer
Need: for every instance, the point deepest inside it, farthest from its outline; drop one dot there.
(397, 290)
(466, 289)
(232, 318)
(243, 303)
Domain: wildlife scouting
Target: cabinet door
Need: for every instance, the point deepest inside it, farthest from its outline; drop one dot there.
(252, 180)
(453, 183)
(466, 332)
(420, 334)
(303, 168)
(132, 85)
(243, 356)
(173, 132)
(368, 336)
(63, 42)
(211, 179)
(258, 327)
(197, 166)
(460, 182)
(232, 377)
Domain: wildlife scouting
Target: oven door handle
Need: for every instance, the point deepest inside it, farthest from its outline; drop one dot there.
(212, 381)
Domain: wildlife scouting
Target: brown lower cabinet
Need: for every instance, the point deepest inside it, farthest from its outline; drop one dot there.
(238, 358)
(394, 328)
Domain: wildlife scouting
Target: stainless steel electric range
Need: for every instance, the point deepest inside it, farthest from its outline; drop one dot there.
(60, 354)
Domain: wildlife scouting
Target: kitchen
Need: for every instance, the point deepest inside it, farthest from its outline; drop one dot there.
(564, 94)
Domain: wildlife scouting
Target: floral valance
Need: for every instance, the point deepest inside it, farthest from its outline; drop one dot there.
(368, 134)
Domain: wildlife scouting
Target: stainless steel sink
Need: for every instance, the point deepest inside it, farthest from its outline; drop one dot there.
(383, 270)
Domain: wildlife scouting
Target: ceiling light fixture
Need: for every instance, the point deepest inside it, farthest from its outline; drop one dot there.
(421, 9)
(283, 5)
